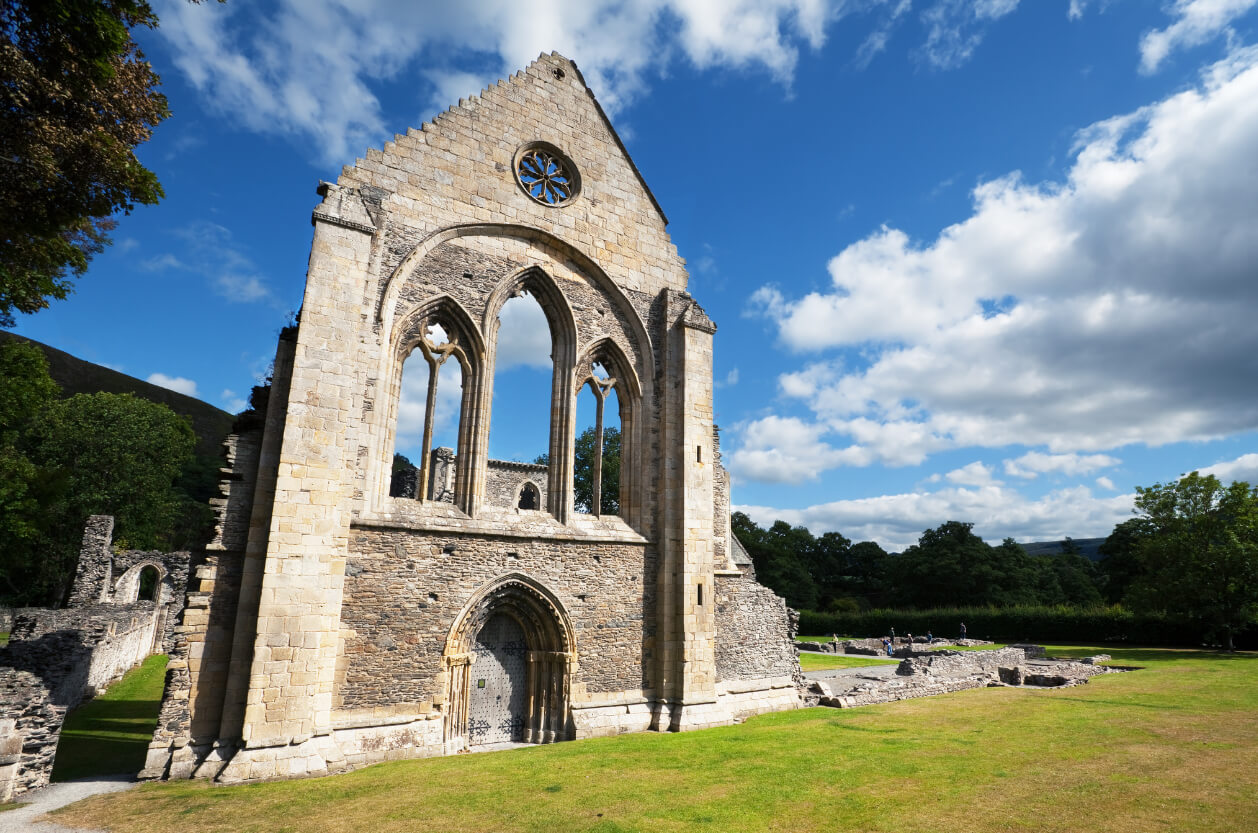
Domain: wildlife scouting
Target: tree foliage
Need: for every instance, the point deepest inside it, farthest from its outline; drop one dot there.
(583, 471)
(76, 98)
(64, 459)
(1198, 552)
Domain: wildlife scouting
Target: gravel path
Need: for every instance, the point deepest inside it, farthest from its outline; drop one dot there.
(38, 802)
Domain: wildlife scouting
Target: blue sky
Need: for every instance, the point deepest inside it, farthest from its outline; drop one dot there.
(991, 261)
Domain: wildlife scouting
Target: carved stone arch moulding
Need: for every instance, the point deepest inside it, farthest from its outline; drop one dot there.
(563, 335)
(551, 656)
(466, 345)
(578, 259)
(624, 380)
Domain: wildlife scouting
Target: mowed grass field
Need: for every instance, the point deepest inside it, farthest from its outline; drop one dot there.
(1172, 747)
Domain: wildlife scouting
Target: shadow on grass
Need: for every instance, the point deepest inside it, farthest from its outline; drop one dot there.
(110, 734)
(105, 737)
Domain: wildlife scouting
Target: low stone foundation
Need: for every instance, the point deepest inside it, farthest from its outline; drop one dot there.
(941, 672)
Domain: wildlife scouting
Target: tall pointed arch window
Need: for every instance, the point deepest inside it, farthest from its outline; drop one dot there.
(596, 475)
(429, 423)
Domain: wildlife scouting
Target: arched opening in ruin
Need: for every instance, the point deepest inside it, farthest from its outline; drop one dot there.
(509, 660)
(521, 410)
(150, 581)
(530, 497)
(140, 583)
(428, 418)
(597, 447)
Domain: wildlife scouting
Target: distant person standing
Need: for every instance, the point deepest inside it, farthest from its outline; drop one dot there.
(893, 635)
(963, 630)
(930, 639)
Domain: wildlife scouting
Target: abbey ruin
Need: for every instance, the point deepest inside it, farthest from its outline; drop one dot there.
(341, 618)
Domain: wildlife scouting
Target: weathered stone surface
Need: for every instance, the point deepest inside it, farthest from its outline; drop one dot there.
(340, 627)
(945, 671)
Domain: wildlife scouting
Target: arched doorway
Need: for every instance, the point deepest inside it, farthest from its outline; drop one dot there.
(509, 660)
(496, 700)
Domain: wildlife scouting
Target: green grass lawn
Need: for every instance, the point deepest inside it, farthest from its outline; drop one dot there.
(1172, 747)
(821, 662)
(110, 734)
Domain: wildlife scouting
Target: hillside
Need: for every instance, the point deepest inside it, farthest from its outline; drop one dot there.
(1088, 547)
(75, 375)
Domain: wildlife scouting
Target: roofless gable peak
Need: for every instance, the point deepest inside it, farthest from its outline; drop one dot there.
(535, 149)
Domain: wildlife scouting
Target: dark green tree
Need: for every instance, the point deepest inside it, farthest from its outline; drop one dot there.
(25, 389)
(76, 98)
(110, 454)
(583, 471)
(950, 565)
(780, 555)
(1121, 559)
(1200, 555)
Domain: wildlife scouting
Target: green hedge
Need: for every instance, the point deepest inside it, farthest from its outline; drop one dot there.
(1022, 624)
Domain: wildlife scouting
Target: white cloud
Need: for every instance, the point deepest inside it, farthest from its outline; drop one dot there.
(974, 474)
(1196, 22)
(896, 521)
(1106, 483)
(788, 450)
(307, 69)
(1244, 468)
(730, 379)
(523, 335)
(176, 383)
(1110, 308)
(876, 41)
(209, 252)
(1034, 463)
(232, 401)
(957, 27)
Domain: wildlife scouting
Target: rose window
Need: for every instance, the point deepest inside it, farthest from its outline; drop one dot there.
(546, 175)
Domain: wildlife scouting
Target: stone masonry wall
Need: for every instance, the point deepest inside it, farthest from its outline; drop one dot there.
(54, 661)
(503, 480)
(403, 591)
(754, 636)
(237, 478)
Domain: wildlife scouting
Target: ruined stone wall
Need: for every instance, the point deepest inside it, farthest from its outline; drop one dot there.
(404, 591)
(54, 661)
(754, 635)
(29, 731)
(92, 578)
(237, 478)
(197, 672)
(117, 638)
(504, 478)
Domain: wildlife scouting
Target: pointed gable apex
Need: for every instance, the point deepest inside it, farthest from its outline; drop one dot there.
(611, 128)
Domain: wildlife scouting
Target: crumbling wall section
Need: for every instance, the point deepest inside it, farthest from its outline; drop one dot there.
(55, 660)
(504, 478)
(92, 578)
(755, 638)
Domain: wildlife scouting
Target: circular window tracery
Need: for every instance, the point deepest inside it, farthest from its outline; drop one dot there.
(546, 175)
